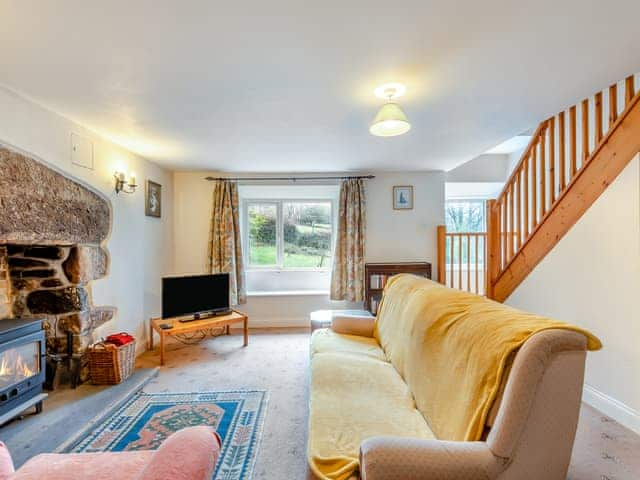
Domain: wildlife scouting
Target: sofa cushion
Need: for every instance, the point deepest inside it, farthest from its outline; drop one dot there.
(324, 318)
(355, 396)
(326, 341)
(94, 466)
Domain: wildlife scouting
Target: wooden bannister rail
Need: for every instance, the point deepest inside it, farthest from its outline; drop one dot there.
(565, 162)
(461, 260)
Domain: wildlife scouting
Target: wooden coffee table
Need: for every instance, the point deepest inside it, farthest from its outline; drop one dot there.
(200, 325)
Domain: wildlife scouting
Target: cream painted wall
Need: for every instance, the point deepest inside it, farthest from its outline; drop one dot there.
(404, 235)
(391, 236)
(140, 247)
(592, 278)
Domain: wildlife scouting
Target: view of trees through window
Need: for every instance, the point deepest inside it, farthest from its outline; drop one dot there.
(290, 234)
(465, 216)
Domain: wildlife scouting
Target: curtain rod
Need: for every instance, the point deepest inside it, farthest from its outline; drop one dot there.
(291, 179)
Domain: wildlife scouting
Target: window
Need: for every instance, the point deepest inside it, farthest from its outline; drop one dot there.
(465, 215)
(289, 234)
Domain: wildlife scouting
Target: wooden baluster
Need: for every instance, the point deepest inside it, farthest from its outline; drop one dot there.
(598, 119)
(573, 146)
(543, 172)
(511, 229)
(518, 230)
(485, 263)
(552, 160)
(451, 256)
(629, 90)
(492, 256)
(613, 104)
(503, 231)
(468, 263)
(525, 212)
(534, 187)
(442, 254)
(562, 167)
(585, 131)
(477, 262)
(459, 262)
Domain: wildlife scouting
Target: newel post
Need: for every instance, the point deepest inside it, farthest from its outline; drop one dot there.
(493, 257)
(442, 242)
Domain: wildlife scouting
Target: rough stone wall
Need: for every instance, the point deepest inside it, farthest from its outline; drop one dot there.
(51, 234)
(53, 281)
(41, 206)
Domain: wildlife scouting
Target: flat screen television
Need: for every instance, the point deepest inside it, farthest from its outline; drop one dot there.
(195, 295)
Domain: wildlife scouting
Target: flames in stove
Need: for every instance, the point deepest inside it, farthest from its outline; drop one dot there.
(14, 368)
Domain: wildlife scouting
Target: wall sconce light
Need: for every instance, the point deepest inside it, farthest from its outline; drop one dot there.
(126, 186)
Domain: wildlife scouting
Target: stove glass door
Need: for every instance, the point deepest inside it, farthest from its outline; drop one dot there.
(18, 364)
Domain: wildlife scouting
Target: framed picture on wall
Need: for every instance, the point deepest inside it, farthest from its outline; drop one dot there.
(153, 199)
(403, 197)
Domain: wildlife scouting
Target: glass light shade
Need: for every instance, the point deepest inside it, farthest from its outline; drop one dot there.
(390, 121)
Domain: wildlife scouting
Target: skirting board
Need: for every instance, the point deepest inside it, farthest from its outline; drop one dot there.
(620, 412)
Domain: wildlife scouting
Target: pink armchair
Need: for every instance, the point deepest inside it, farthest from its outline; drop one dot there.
(190, 454)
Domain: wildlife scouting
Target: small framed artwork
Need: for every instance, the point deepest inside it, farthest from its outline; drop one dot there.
(153, 199)
(403, 197)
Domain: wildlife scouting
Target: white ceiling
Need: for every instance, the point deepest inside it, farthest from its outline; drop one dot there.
(287, 85)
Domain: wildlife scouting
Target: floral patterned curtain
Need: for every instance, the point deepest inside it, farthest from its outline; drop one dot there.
(225, 249)
(347, 277)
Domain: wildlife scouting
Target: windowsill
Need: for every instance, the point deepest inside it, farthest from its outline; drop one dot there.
(287, 293)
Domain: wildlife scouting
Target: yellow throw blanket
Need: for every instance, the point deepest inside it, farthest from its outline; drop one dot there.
(451, 348)
(354, 397)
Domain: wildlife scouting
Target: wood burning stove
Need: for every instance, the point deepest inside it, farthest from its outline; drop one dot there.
(22, 366)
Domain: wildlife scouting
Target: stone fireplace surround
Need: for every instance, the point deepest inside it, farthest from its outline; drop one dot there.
(52, 235)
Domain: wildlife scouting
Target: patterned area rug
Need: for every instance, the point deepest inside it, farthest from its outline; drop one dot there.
(145, 420)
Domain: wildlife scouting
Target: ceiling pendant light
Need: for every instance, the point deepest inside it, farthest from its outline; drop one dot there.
(390, 120)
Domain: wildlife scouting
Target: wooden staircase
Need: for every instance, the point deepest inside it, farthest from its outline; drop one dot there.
(571, 159)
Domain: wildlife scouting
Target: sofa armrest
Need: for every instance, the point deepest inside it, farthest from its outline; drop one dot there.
(353, 325)
(188, 454)
(387, 458)
(6, 463)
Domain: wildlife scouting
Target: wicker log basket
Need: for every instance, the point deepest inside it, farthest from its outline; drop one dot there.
(109, 364)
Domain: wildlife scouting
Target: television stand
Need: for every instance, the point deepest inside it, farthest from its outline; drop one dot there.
(177, 327)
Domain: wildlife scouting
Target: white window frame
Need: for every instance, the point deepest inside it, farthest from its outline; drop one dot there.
(279, 266)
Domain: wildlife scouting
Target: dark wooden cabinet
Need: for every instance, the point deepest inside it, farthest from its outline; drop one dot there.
(376, 276)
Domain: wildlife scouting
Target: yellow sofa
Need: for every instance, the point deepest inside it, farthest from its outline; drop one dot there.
(444, 385)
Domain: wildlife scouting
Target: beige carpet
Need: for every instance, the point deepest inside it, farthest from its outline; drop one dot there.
(277, 360)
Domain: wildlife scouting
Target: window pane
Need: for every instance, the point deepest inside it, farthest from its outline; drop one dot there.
(262, 234)
(307, 234)
(465, 216)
